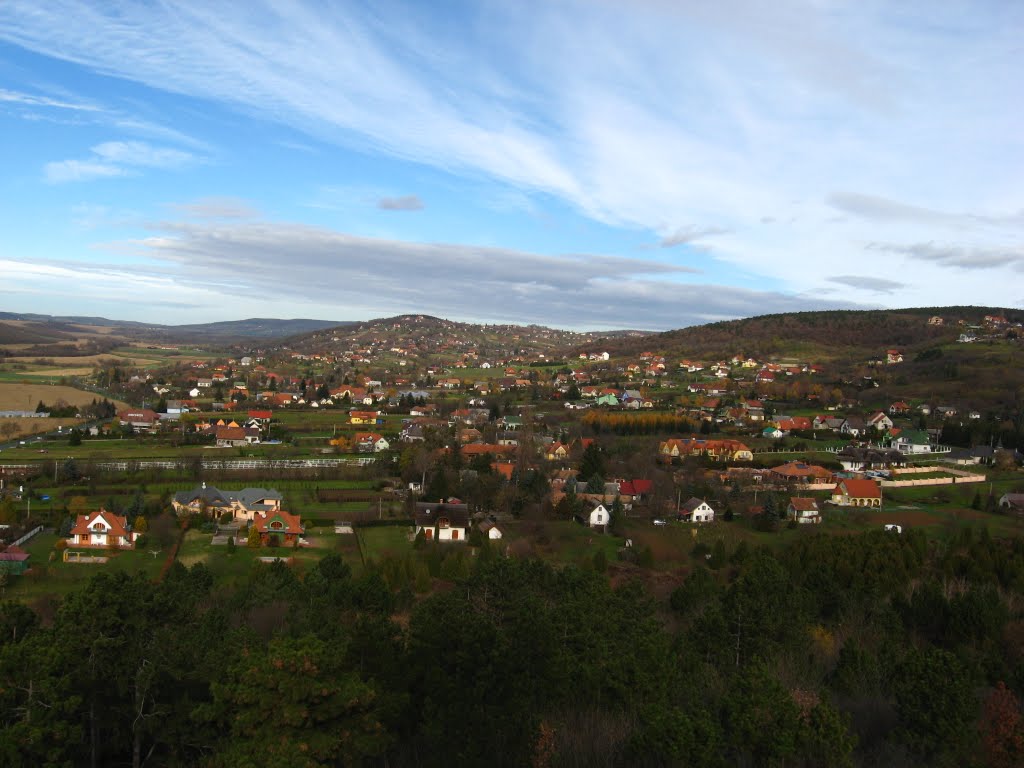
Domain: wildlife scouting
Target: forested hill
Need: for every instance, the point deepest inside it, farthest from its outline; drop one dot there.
(818, 335)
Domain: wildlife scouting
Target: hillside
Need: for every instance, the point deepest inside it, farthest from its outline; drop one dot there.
(84, 333)
(428, 338)
(823, 336)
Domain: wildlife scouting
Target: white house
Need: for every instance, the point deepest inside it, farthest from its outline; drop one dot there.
(697, 511)
(599, 517)
(491, 531)
(442, 522)
(803, 510)
(102, 529)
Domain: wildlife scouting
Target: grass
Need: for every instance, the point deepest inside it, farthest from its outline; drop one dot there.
(58, 578)
(386, 540)
(232, 568)
(17, 396)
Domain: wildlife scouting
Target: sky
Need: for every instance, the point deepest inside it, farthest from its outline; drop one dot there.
(582, 164)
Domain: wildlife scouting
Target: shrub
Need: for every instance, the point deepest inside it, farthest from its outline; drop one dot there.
(226, 518)
(61, 545)
(231, 545)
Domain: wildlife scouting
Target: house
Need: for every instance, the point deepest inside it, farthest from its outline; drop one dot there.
(442, 522)
(363, 417)
(697, 511)
(286, 527)
(893, 356)
(936, 320)
(803, 510)
(490, 531)
(14, 561)
(899, 408)
(800, 472)
(141, 419)
(773, 433)
(370, 442)
(599, 517)
(556, 452)
(234, 437)
(879, 421)
(854, 426)
(243, 504)
(857, 493)
(912, 441)
(102, 529)
(1012, 501)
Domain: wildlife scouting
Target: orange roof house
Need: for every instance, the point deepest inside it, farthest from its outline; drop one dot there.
(102, 529)
(276, 522)
(857, 493)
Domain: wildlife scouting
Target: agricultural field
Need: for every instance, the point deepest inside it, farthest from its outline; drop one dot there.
(18, 396)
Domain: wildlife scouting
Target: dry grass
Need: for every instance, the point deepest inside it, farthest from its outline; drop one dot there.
(26, 427)
(79, 360)
(25, 397)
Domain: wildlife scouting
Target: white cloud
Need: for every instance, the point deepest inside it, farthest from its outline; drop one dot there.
(116, 158)
(728, 114)
(403, 203)
(142, 154)
(36, 100)
(316, 267)
(60, 172)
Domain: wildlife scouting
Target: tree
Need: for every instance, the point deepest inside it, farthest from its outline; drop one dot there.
(934, 700)
(253, 540)
(1002, 729)
(592, 462)
(141, 524)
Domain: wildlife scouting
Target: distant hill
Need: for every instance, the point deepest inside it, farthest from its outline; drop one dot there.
(29, 328)
(812, 336)
(426, 337)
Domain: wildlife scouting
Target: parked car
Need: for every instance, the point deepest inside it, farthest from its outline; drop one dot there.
(659, 521)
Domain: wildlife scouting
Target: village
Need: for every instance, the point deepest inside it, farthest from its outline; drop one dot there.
(449, 436)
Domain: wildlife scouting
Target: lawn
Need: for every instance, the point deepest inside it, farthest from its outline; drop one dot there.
(385, 540)
(232, 568)
(55, 577)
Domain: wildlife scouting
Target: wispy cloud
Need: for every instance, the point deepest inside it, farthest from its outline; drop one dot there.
(964, 257)
(875, 208)
(326, 268)
(403, 203)
(116, 158)
(875, 284)
(36, 100)
(217, 208)
(64, 171)
(691, 234)
(728, 114)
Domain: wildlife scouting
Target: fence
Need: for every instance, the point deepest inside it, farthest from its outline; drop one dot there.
(28, 535)
(957, 476)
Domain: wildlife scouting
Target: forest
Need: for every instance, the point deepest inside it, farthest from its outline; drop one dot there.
(875, 649)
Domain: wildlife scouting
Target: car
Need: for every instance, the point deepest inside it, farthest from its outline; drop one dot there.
(659, 521)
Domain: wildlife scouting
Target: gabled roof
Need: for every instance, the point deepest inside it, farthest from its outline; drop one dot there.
(428, 513)
(264, 522)
(803, 504)
(693, 503)
(860, 489)
(117, 525)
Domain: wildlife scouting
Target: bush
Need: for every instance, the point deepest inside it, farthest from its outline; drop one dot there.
(226, 518)
(142, 541)
(231, 545)
(61, 545)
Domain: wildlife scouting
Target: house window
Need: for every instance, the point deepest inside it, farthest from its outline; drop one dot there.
(428, 533)
(276, 525)
(455, 534)
(600, 517)
(442, 522)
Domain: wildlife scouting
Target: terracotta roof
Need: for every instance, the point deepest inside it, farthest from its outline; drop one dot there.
(265, 520)
(860, 489)
(803, 504)
(118, 524)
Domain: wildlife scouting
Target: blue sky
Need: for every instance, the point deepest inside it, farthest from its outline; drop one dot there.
(588, 164)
